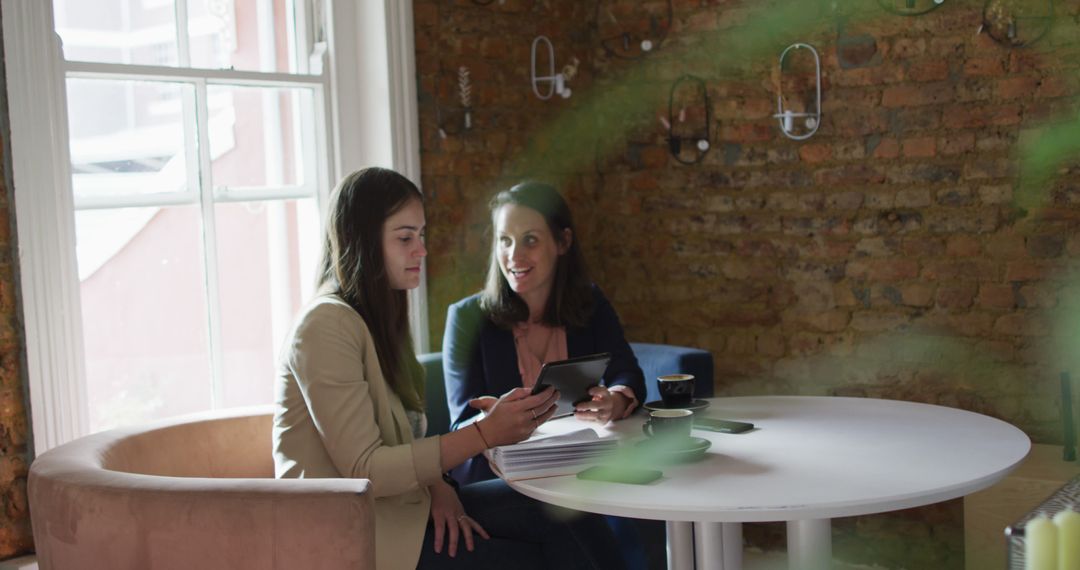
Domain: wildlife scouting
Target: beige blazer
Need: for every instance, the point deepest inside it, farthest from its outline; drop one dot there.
(337, 417)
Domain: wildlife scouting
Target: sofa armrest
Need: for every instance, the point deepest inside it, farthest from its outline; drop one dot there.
(438, 413)
(123, 520)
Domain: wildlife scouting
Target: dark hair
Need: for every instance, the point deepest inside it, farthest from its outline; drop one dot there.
(354, 269)
(570, 302)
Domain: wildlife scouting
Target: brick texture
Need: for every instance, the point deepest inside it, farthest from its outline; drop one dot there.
(15, 534)
(887, 256)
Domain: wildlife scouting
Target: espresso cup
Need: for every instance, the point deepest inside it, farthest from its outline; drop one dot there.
(669, 424)
(677, 390)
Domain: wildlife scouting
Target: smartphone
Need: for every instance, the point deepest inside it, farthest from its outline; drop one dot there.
(628, 475)
(722, 426)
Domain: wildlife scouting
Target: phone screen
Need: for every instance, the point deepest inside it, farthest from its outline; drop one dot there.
(628, 475)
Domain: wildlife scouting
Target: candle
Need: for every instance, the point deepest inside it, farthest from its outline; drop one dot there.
(1068, 539)
(1040, 536)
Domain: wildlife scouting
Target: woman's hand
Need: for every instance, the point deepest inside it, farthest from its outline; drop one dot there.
(515, 415)
(449, 518)
(604, 406)
(483, 403)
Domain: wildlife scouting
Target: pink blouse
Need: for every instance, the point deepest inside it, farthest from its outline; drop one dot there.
(553, 341)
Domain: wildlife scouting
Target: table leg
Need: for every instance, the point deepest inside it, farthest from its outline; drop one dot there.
(680, 545)
(718, 546)
(809, 544)
(732, 546)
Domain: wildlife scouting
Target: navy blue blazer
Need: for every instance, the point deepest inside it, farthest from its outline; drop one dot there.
(480, 359)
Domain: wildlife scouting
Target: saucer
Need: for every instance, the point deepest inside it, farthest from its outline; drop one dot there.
(659, 405)
(693, 449)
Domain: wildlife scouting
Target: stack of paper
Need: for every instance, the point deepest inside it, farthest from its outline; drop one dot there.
(549, 455)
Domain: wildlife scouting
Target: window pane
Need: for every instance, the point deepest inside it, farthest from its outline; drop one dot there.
(256, 134)
(267, 252)
(118, 31)
(144, 313)
(250, 35)
(127, 137)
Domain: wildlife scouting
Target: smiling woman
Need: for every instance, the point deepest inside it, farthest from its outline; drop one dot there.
(528, 253)
(538, 306)
(536, 252)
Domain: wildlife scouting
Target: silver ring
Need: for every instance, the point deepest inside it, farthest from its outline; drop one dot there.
(533, 410)
(463, 515)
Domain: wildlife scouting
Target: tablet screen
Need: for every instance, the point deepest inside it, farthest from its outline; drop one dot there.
(572, 378)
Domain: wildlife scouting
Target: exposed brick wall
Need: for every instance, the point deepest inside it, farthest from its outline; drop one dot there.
(895, 254)
(885, 256)
(462, 171)
(15, 533)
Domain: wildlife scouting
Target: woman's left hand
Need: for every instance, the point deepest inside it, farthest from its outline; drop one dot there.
(450, 521)
(604, 406)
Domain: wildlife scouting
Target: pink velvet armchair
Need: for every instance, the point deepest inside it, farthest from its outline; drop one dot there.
(196, 492)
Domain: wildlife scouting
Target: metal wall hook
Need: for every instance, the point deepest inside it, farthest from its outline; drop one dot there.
(452, 121)
(1006, 28)
(556, 81)
(910, 7)
(702, 141)
(629, 45)
(787, 117)
(455, 120)
(855, 50)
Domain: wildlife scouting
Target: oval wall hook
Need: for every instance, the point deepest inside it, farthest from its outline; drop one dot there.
(1015, 27)
(910, 7)
(701, 141)
(787, 117)
(628, 44)
(556, 81)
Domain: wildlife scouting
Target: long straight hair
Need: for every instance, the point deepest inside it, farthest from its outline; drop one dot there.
(353, 268)
(570, 302)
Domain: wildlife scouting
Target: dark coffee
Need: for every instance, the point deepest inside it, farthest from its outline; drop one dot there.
(677, 390)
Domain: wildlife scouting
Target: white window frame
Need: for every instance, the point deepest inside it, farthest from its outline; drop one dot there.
(371, 70)
(377, 74)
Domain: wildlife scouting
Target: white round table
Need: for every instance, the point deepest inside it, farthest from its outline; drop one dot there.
(808, 460)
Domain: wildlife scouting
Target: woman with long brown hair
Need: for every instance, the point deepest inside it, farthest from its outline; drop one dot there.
(538, 305)
(350, 404)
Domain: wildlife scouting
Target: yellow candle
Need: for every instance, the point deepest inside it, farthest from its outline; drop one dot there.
(1068, 539)
(1040, 538)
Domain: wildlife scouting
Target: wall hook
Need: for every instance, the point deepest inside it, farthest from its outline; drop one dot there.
(1010, 25)
(855, 50)
(453, 120)
(556, 81)
(465, 94)
(702, 139)
(631, 45)
(910, 7)
(787, 117)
